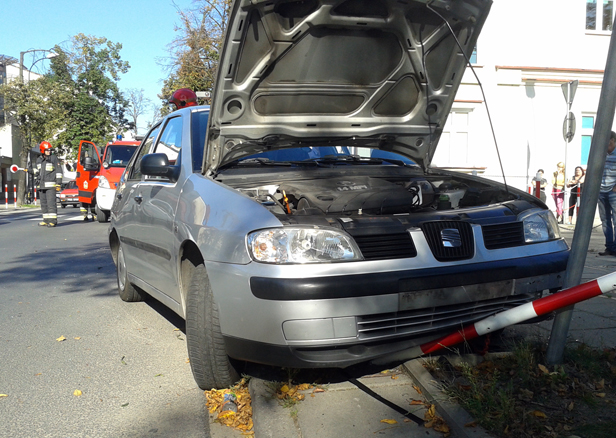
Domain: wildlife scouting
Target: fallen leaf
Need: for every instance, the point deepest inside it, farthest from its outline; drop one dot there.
(303, 386)
(570, 406)
(600, 384)
(600, 394)
(416, 402)
(318, 390)
(77, 393)
(124, 405)
(539, 414)
(471, 424)
(417, 389)
(543, 369)
(284, 388)
(389, 421)
(77, 338)
(38, 374)
(158, 375)
(4, 395)
(394, 377)
(61, 338)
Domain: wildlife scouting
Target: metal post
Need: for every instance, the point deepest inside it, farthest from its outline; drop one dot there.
(588, 205)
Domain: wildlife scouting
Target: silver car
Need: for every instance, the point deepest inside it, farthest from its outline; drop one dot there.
(297, 222)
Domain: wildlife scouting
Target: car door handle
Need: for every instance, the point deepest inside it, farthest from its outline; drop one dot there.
(138, 199)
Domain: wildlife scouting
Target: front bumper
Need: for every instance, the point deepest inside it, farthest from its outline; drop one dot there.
(341, 320)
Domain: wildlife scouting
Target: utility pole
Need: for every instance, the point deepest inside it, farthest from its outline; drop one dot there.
(583, 229)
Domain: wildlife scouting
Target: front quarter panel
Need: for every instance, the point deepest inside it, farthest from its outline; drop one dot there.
(218, 218)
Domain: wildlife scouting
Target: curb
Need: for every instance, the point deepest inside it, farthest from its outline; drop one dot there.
(452, 413)
(266, 418)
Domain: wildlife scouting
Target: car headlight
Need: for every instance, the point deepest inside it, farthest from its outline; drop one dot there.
(302, 245)
(102, 182)
(62, 196)
(539, 226)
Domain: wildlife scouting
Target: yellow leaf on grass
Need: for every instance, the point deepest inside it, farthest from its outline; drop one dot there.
(61, 338)
(4, 395)
(77, 393)
(543, 369)
(284, 388)
(303, 386)
(389, 421)
(539, 414)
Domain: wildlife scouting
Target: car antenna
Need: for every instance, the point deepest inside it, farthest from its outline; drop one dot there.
(468, 61)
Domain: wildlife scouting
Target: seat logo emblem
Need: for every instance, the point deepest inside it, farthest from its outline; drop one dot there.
(451, 238)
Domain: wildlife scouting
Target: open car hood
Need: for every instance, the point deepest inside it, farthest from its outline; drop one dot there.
(368, 73)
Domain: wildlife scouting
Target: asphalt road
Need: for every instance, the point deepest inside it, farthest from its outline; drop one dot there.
(129, 360)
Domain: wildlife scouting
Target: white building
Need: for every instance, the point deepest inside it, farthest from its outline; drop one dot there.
(526, 51)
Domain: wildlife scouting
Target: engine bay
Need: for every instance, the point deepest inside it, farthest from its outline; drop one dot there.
(368, 195)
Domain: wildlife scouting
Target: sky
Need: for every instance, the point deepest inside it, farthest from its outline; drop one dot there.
(143, 27)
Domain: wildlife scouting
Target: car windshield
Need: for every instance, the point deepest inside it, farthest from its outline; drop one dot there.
(329, 154)
(119, 155)
(71, 185)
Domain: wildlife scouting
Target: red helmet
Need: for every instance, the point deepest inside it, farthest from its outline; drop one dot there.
(45, 145)
(183, 97)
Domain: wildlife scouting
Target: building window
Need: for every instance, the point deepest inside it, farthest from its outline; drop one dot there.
(453, 147)
(588, 126)
(473, 57)
(599, 15)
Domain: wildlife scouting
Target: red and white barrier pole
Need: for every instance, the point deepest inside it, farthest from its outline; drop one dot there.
(35, 196)
(524, 312)
(6, 196)
(14, 196)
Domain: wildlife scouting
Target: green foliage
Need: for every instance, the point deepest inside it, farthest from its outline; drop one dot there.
(89, 69)
(195, 52)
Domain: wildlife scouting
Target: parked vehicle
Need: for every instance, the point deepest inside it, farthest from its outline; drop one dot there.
(97, 185)
(69, 195)
(306, 227)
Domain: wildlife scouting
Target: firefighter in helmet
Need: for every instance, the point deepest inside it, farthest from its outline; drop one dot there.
(48, 172)
(184, 97)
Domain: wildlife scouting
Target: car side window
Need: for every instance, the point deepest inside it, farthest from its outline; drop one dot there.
(135, 172)
(198, 131)
(170, 142)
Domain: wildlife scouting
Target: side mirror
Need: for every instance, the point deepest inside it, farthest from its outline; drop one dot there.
(158, 165)
(90, 164)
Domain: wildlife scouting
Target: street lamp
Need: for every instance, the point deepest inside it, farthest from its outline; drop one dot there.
(50, 54)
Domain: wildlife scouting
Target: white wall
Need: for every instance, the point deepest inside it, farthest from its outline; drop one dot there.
(526, 50)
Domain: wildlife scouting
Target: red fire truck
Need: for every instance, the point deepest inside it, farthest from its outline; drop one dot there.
(98, 175)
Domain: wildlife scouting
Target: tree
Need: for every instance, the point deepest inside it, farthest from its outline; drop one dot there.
(138, 105)
(194, 53)
(38, 109)
(90, 67)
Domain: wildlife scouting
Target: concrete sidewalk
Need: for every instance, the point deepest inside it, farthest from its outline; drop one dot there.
(344, 411)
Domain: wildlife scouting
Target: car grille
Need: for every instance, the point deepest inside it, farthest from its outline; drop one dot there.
(461, 241)
(503, 235)
(386, 246)
(434, 319)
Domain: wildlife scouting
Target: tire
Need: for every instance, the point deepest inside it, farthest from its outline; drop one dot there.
(209, 362)
(127, 291)
(63, 205)
(101, 216)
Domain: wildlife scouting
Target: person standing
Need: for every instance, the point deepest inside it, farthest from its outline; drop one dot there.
(49, 174)
(575, 184)
(558, 190)
(607, 198)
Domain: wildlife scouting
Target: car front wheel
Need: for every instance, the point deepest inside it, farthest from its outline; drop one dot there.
(127, 291)
(209, 362)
